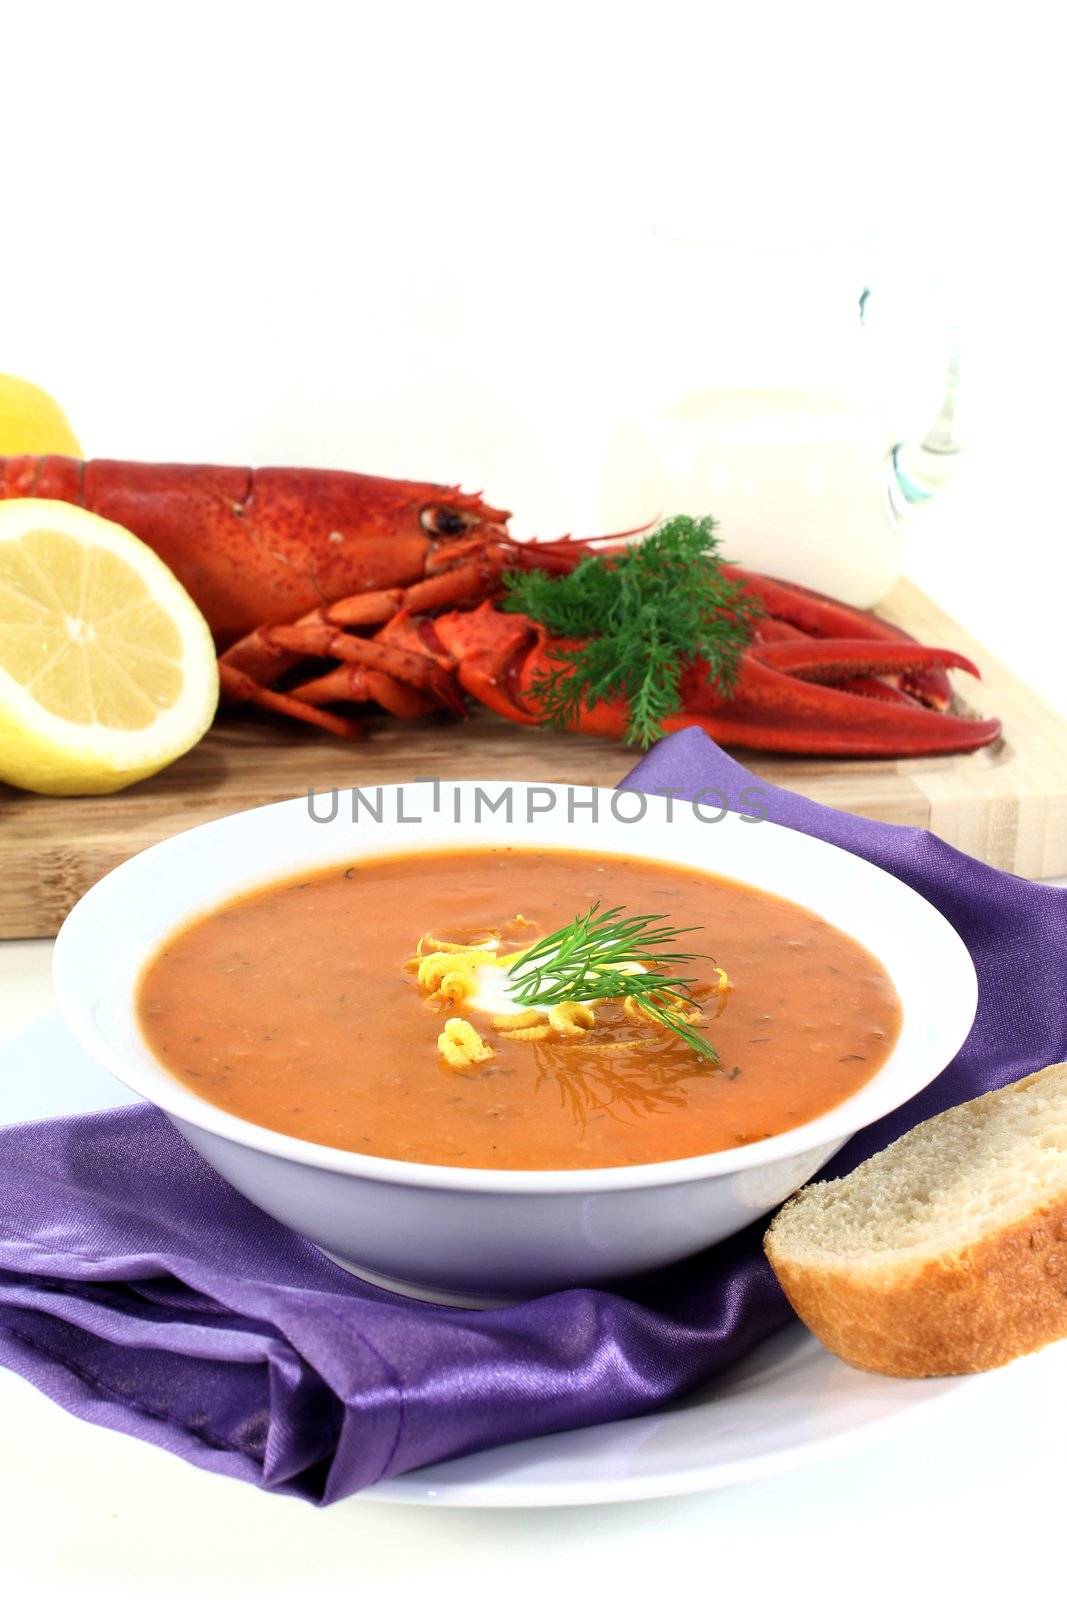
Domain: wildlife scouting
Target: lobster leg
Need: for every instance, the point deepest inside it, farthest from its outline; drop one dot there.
(419, 671)
(478, 580)
(261, 657)
(241, 690)
(352, 682)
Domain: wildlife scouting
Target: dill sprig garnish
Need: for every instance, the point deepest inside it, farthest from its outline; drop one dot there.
(636, 619)
(587, 960)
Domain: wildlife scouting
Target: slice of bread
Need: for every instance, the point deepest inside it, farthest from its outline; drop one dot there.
(945, 1253)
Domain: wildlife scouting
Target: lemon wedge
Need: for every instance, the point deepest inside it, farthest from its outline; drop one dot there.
(31, 423)
(107, 668)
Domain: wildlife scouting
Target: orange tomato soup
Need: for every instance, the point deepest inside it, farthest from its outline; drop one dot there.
(299, 1007)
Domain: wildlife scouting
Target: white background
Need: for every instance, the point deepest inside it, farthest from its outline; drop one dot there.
(395, 238)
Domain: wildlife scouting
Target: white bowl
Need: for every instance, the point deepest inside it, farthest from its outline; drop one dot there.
(467, 1234)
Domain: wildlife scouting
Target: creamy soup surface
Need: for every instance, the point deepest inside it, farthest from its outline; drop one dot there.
(299, 1007)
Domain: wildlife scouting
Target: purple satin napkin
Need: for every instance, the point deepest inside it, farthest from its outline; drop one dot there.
(140, 1292)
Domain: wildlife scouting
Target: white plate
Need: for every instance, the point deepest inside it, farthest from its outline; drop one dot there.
(788, 1404)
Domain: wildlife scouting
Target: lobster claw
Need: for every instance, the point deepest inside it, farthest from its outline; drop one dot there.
(809, 696)
(497, 655)
(826, 697)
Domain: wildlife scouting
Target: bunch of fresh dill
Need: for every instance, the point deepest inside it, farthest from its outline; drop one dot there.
(593, 957)
(635, 620)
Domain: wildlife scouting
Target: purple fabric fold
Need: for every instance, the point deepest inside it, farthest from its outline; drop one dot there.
(142, 1293)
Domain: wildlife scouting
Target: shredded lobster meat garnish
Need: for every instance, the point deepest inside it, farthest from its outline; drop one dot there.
(462, 1046)
(430, 944)
(445, 971)
(522, 1024)
(449, 974)
(572, 1018)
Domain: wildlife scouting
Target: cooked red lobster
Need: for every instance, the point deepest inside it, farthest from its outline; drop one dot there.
(389, 584)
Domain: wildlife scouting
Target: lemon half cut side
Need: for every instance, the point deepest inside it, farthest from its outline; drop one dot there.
(107, 668)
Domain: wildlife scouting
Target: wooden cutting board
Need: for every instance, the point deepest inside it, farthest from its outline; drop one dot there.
(1006, 804)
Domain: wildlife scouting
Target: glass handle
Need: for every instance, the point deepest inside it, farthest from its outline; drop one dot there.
(918, 469)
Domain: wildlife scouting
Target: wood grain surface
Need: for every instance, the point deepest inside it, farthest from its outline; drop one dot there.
(1006, 804)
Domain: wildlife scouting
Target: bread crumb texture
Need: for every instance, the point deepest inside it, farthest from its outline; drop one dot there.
(947, 1252)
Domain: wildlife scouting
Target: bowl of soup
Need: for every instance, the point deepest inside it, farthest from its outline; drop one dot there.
(480, 1041)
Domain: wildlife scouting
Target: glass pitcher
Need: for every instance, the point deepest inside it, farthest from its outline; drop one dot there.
(806, 396)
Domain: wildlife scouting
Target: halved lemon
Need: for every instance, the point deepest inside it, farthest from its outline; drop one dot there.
(107, 668)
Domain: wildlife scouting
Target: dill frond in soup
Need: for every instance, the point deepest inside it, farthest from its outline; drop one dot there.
(515, 1008)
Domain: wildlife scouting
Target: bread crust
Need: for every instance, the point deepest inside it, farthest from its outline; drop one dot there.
(965, 1311)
